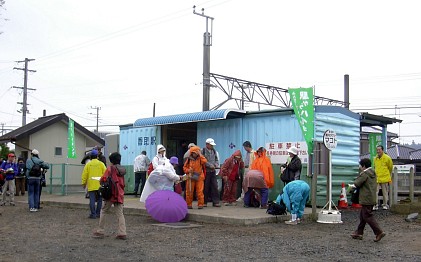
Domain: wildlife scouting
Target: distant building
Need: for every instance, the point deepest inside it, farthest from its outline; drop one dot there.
(49, 135)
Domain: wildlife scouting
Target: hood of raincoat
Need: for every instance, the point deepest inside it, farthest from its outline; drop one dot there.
(195, 149)
(160, 147)
(121, 170)
(237, 153)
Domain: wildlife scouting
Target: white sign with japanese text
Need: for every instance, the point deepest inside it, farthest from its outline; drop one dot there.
(277, 151)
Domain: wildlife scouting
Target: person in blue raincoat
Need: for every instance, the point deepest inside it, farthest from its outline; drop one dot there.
(295, 195)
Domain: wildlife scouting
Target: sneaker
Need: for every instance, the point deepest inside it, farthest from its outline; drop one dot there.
(122, 237)
(35, 210)
(290, 222)
(385, 207)
(240, 199)
(379, 237)
(97, 234)
(32, 210)
(357, 236)
(376, 207)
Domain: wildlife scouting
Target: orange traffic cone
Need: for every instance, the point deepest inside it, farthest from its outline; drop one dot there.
(343, 202)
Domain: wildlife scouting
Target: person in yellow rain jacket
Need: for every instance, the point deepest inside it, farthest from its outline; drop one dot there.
(383, 166)
(92, 172)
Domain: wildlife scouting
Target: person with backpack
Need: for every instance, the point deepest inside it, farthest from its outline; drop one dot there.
(92, 172)
(211, 184)
(11, 170)
(34, 169)
(116, 172)
(294, 195)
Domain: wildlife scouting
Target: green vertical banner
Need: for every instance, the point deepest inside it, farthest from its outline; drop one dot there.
(302, 100)
(71, 149)
(373, 141)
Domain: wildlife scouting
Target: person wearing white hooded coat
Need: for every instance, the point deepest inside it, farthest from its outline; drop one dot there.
(162, 177)
(160, 158)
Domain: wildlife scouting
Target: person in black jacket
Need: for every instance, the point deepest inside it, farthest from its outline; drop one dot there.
(291, 170)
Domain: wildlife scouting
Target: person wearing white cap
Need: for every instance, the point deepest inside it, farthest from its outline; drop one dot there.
(211, 184)
(34, 181)
(291, 170)
(187, 154)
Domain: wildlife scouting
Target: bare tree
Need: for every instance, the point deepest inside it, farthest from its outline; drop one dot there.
(2, 2)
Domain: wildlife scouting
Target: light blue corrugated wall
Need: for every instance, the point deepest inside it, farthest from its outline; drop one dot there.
(226, 133)
(260, 129)
(132, 142)
(345, 156)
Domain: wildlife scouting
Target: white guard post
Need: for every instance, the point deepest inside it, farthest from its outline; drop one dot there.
(329, 216)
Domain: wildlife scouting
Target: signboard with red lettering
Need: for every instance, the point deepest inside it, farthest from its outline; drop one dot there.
(277, 151)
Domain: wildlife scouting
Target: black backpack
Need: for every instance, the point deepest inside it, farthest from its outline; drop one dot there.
(276, 209)
(35, 171)
(106, 188)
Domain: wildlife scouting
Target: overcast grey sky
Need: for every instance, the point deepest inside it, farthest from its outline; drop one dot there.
(124, 56)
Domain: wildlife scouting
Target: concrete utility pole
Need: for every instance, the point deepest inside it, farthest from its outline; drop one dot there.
(25, 88)
(97, 116)
(207, 43)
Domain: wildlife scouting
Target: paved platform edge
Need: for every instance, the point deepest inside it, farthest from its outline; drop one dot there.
(198, 218)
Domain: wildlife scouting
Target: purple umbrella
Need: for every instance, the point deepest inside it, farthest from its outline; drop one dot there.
(166, 206)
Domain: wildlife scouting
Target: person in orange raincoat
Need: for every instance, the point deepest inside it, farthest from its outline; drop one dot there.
(194, 168)
(263, 164)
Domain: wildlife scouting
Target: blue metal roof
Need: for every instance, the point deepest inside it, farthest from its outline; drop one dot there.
(189, 117)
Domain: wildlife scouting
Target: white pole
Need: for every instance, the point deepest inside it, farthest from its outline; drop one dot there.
(330, 180)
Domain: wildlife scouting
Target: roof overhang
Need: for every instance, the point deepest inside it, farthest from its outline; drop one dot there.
(189, 117)
(367, 119)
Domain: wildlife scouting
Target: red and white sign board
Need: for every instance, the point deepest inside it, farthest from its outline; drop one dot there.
(277, 151)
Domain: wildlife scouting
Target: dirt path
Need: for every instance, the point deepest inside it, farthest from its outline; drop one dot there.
(60, 234)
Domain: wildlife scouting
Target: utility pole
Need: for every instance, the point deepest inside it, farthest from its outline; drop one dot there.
(97, 116)
(25, 88)
(207, 43)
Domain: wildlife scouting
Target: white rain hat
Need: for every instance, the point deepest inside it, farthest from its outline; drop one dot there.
(293, 150)
(35, 152)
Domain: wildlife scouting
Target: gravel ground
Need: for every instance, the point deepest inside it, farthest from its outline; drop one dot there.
(61, 234)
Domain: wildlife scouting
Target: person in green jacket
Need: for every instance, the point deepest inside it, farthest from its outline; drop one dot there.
(383, 165)
(367, 184)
